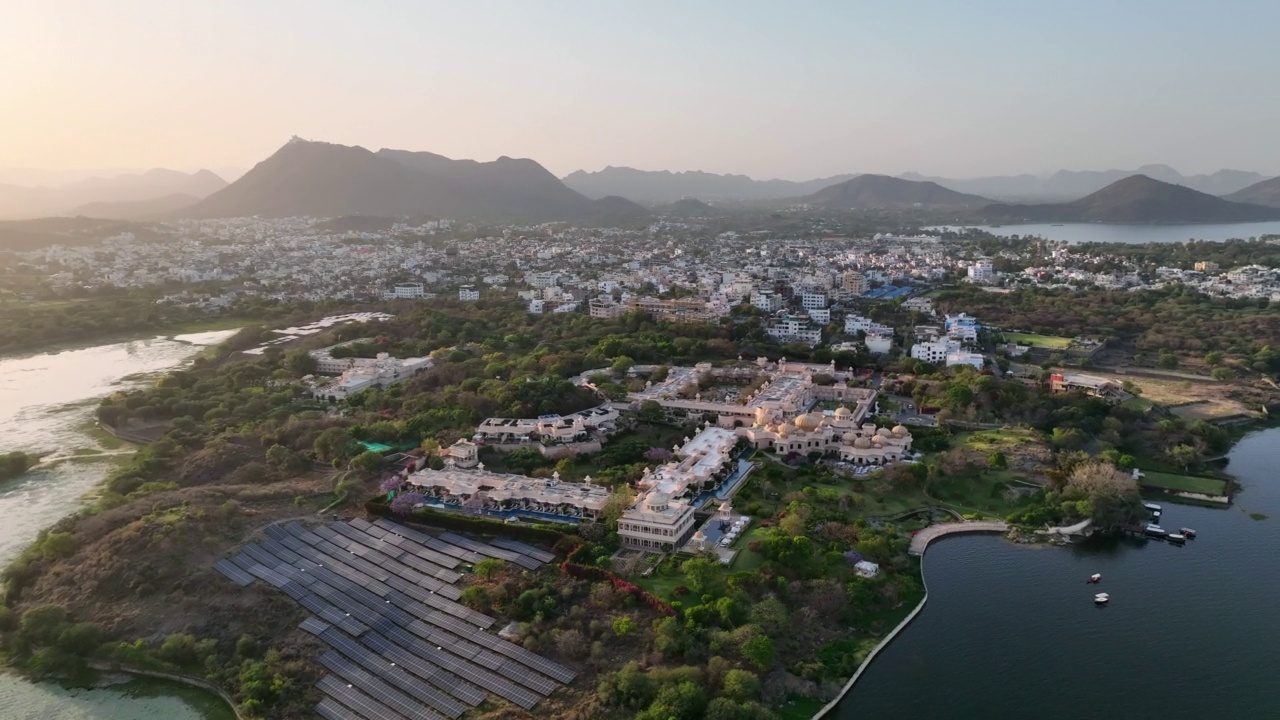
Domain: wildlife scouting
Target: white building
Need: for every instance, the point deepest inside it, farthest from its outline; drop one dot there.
(982, 271)
(468, 292)
(822, 316)
(966, 357)
(604, 307)
(767, 300)
(404, 291)
(543, 279)
(795, 329)
(365, 373)
(813, 300)
(879, 344)
(934, 352)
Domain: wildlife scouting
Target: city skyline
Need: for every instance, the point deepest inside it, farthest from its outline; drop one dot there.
(990, 88)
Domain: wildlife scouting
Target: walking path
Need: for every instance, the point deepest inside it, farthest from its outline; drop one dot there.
(922, 539)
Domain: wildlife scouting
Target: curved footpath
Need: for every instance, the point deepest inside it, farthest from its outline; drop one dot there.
(919, 543)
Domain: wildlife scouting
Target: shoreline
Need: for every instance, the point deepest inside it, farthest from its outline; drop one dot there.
(83, 343)
(189, 680)
(884, 642)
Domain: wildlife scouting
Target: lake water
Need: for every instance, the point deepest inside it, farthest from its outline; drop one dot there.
(1011, 631)
(1134, 234)
(46, 405)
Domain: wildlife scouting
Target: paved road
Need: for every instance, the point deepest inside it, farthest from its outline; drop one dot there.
(921, 540)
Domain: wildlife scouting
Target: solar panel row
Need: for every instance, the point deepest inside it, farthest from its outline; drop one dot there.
(524, 549)
(388, 671)
(237, 576)
(409, 556)
(377, 689)
(432, 673)
(408, 544)
(483, 548)
(329, 709)
(461, 553)
(366, 706)
(481, 677)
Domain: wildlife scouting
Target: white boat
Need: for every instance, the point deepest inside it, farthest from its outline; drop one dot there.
(1101, 598)
(1151, 506)
(1095, 578)
(1176, 538)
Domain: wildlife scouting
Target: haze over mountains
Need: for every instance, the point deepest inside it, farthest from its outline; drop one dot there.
(103, 193)
(1135, 199)
(1266, 193)
(328, 180)
(662, 187)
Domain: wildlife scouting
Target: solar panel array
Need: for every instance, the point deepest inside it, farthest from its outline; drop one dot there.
(383, 600)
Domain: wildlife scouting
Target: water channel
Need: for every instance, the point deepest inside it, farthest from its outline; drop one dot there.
(46, 406)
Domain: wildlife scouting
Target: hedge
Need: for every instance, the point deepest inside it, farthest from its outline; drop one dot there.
(468, 523)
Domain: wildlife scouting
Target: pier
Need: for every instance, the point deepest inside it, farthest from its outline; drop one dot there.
(920, 541)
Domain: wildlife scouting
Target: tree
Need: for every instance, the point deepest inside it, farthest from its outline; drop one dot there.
(741, 685)
(758, 650)
(619, 500)
(651, 412)
(488, 568)
(701, 574)
(677, 701)
(623, 626)
(300, 363)
(1184, 456)
(1110, 491)
(997, 461)
(332, 444)
(1212, 358)
(622, 363)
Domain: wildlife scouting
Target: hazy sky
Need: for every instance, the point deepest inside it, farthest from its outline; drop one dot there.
(771, 89)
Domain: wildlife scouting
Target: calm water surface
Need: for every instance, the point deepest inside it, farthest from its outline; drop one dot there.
(1011, 631)
(1137, 234)
(46, 406)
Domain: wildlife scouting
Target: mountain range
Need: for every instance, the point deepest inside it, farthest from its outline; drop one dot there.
(101, 195)
(1134, 199)
(328, 180)
(663, 187)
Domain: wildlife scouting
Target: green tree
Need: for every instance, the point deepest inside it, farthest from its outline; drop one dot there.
(700, 573)
(1212, 358)
(623, 626)
(651, 412)
(488, 568)
(299, 363)
(758, 650)
(367, 461)
(997, 461)
(622, 363)
(741, 685)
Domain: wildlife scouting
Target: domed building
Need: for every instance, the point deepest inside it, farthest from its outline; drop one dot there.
(871, 445)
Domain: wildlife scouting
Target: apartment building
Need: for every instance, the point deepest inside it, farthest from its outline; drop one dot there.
(795, 329)
(468, 292)
(767, 300)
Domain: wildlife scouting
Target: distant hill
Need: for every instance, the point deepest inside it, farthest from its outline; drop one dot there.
(42, 232)
(687, 207)
(662, 187)
(327, 180)
(1067, 185)
(136, 209)
(153, 185)
(872, 192)
(1135, 199)
(1266, 193)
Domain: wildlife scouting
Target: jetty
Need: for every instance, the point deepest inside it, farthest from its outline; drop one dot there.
(920, 541)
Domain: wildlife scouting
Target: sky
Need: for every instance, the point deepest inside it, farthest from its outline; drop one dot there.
(797, 89)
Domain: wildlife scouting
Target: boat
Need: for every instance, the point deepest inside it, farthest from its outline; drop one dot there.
(1155, 531)
(1095, 578)
(1176, 538)
(1101, 599)
(1151, 506)
(1188, 533)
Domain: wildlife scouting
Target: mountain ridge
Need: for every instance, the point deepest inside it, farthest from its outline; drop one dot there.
(664, 187)
(329, 180)
(877, 192)
(1135, 199)
(1265, 192)
(22, 202)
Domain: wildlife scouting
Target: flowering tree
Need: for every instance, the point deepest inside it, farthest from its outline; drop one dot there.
(392, 483)
(657, 454)
(406, 502)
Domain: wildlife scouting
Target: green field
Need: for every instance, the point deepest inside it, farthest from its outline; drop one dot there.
(1184, 483)
(1044, 341)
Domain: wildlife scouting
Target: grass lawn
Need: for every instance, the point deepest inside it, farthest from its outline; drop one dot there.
(800, 708)
(1140, 404)
(986, 493)
(1184, 483)
(989, 441)
(664, 580)
(746, 559)
(1044, 341)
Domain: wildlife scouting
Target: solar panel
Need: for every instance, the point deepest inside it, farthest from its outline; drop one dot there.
(434, 674)
(262, 556)
(389, 672)
(330, 709)
(237, 576)
(275, 532)
(314, 626)
(367, 707)
(376, 688)
(242, 561)
(523, 549)
(482, 548)
(472, 673)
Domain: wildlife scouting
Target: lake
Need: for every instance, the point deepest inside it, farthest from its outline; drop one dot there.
(1133, 234)
(1011, 631)
(46, 405)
